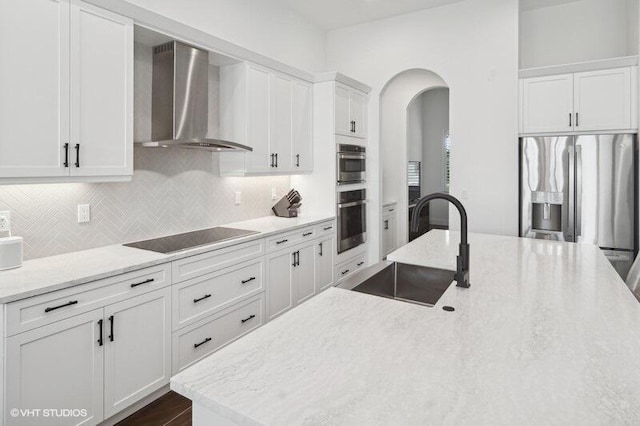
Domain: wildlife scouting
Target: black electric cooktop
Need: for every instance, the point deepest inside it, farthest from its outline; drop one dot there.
(178, 242)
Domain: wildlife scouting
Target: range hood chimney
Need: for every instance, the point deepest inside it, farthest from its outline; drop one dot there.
(179, 105)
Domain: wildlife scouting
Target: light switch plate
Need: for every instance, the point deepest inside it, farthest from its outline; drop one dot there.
(238, 197)
(5, 221)
(84, 213)
(274, 195)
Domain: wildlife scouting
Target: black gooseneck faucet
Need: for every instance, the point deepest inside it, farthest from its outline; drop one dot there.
(462, 272)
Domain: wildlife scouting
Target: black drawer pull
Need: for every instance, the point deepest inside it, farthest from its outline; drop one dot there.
(100, 340)
(250, 317)
(200, 299)
(306, 234)
(197, 345)
(327, 228)
(150, 280)
(111, 336)
(346, 271)
(361, 263)
(391, 210)
(281, 241)
(73, 302)
(250, 279)
(320, 253)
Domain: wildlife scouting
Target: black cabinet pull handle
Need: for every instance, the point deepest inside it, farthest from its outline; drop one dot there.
(197, 345)
(354, 127)
(577, 120)
(66, 155)
(386, 224)
(150, 280)
(100, 340)
(77, 155)
(73, 302)
(570, 115)
(390, 210)
(273, 156)
(320, 249)
(294, 259)
(281, 241)
(361, 263)
(200, 299)
(111, 321)
(298, 257)
(306, 234)
(276, 159)
(297, 160)
(346, 271)
(250, 317)
(327, 228)
(250, 279)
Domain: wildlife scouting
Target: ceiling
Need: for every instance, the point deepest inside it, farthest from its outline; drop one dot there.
(539, 4)
(331, 14)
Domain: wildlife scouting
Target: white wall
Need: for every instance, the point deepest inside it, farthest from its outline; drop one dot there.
(266, 27)
(578, 31)
(414, 130)
(473, 45)
(435, 123)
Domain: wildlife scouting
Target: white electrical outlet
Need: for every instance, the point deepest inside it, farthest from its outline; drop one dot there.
(274, 195)
(238, 198)
(5, 221)
(465, 194)
(84, 213)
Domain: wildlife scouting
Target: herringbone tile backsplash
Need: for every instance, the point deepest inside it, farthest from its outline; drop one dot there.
(172, 191)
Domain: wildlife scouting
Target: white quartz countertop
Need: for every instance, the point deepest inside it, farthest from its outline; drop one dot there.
(547, 334)
(52, 273)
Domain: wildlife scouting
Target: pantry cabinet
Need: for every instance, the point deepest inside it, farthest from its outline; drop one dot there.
(350, 112)
(57, 366)
(270, 112)
(601, 100)
(67, 92)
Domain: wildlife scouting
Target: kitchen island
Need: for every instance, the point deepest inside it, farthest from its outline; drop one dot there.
(547, 334)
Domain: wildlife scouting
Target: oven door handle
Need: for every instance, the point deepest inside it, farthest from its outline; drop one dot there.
(352, 156)
(352, 204)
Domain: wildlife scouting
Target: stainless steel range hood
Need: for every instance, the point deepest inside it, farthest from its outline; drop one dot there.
(179, 105)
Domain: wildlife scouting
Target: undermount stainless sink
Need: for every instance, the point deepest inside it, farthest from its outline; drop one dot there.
(399, 281)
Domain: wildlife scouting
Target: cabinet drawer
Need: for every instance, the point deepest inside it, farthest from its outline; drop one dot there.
(199, 340)
(202, 296)
(40, 310)
(350, 266)
(326, 228)
(289, 239)
(205, 263)
(389, 210)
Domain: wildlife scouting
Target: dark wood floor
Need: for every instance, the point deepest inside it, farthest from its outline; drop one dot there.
(170, 409)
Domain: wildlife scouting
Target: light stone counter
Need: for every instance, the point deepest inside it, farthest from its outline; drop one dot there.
(52, 273)
(547, 334)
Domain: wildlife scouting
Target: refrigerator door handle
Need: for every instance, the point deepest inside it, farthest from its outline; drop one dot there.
(578, 208)
(569, 211)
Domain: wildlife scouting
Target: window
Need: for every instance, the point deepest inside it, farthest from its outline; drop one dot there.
(447, 160)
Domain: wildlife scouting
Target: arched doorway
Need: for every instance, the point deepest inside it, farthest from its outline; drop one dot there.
(395, 99)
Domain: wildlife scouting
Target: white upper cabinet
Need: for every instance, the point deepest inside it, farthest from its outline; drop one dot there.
(66, 82)
(34, 87)
(350, 112)
(547, 104)
(271, 113)
(603, 100)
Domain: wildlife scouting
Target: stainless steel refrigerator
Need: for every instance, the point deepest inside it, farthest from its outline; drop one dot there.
(581, 189)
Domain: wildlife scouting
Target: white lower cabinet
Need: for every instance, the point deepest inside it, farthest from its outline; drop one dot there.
(57, 366)
(279, 283)
(325, 263)
(137, 349)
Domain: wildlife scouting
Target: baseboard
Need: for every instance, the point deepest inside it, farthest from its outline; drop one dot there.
(135, 407)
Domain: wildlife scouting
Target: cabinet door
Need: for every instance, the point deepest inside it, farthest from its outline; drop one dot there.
(259, 160)
(279, 284)
(304, 273)
(101, 92)
(325, 263)
(547, 104)
(281, 120)
(57, 366)
(302, 109)
(602, 100)
(343, 118)
(389, 234)
(34, 87)
(137, 349)
(357, 112)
